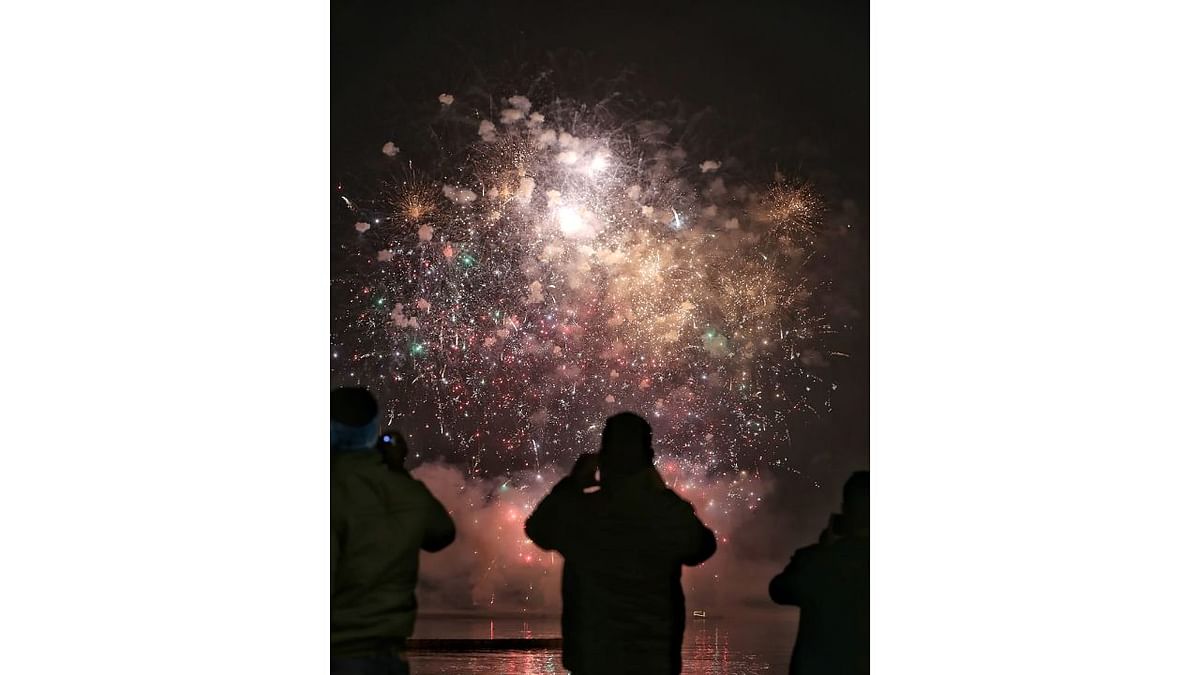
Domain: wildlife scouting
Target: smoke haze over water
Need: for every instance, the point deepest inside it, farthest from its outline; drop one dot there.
(492, 568)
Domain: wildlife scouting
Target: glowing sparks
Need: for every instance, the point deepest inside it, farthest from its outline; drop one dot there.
(569, 221)
(598, 164)
(555, 275)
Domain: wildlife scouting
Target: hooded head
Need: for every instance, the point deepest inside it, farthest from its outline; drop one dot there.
(354, 420)
(625, 446)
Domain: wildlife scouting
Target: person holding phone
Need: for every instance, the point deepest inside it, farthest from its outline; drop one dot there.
(381, 518)
(624, 537)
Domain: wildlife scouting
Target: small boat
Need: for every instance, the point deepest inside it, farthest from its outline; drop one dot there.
(699, 614)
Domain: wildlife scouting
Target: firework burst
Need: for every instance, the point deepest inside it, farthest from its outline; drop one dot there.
(566, 267)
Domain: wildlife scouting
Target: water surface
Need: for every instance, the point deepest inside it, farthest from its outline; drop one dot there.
(751, 644)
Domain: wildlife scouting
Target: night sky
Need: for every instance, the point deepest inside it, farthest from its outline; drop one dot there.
(772, 86)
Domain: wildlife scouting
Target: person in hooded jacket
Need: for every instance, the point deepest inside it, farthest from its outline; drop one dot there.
(830, 583)
(381, 518)
(624, 539)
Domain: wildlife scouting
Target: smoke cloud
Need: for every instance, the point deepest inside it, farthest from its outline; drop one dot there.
(493, 567)
(400, 320)
(460, 196)
(487, 131)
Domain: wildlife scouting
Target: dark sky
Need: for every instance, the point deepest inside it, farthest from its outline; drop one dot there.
(793, 73)
(777, 84)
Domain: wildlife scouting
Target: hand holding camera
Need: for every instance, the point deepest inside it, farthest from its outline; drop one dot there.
(584, 472)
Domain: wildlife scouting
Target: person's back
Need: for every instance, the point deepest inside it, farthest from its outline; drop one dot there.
(381, 521)
(623, 547)
(830, 582)
(381, 518)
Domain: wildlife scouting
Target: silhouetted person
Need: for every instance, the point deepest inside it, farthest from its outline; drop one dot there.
(381, 518)
(830, 582)
(623, 540)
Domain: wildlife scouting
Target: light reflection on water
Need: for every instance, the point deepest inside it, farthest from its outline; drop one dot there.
(757, 644)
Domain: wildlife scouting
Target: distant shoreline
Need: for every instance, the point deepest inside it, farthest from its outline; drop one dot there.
(477, 614)
(482, 644)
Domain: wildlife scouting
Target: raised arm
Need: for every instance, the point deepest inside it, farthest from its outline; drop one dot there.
(791, 586)
(547, 524)
(706, 545)
(439, 528)
(698, 543)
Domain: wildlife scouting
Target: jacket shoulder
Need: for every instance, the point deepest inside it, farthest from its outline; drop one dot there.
(367, 480)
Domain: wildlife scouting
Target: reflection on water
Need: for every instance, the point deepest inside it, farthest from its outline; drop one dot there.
(745, 645)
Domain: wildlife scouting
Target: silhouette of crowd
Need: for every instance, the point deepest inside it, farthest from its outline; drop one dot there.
(624, 537)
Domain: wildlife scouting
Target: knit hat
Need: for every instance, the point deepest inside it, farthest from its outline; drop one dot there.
(354, 419)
